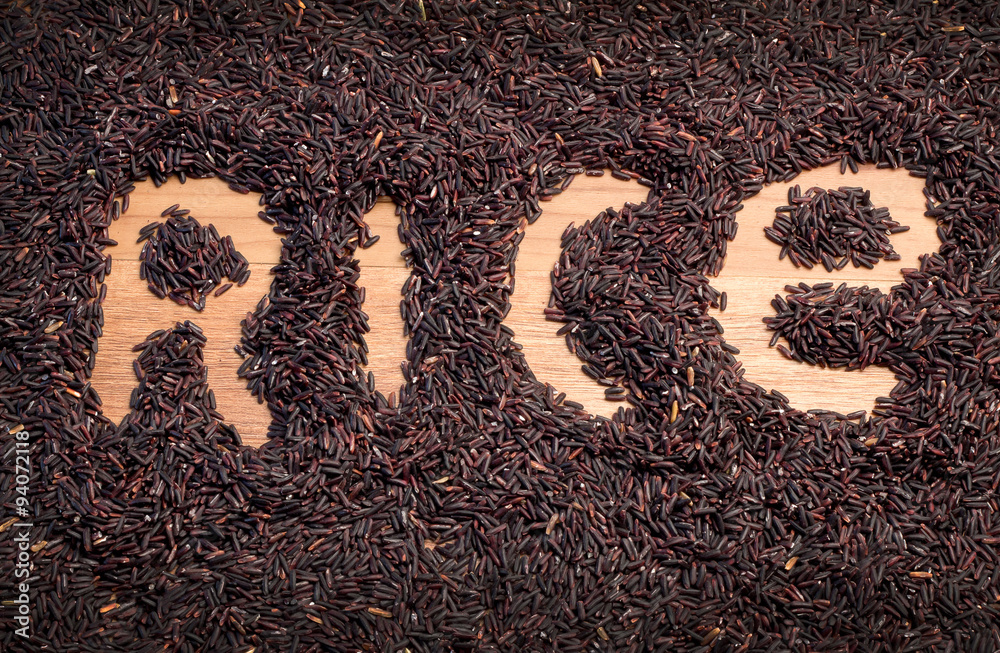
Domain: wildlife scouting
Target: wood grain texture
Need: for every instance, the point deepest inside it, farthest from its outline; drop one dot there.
(751, 277)
(132, 312)
(547, 354)
(383, 274)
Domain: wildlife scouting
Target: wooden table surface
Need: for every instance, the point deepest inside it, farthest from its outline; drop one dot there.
(751, 277)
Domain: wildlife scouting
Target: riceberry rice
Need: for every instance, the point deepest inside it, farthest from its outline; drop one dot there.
(185, 261)
(481, 510)
(822, 225)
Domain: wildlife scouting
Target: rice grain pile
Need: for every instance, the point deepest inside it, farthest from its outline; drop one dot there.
(481, 511)
(185, 261)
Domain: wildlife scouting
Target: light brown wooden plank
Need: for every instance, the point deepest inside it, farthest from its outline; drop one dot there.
(210, 201)
(547, 354)
(383, 274)
(131, 311)
(753, 275)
